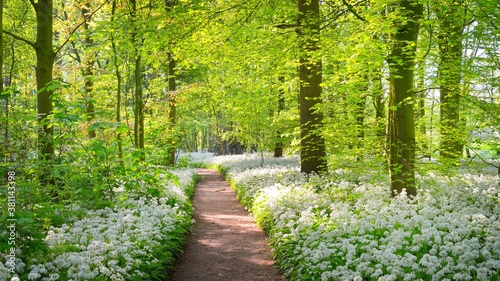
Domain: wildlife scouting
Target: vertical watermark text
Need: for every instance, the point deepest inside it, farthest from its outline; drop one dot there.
(11, 220)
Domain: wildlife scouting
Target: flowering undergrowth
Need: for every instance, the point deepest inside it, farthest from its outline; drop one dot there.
(344, 226)
(134, 240)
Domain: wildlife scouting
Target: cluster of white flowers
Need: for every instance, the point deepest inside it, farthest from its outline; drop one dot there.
(196, 157)
(115, 242)
(249, 161)
(340, 228)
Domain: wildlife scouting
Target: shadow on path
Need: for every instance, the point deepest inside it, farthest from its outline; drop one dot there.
(225, 243)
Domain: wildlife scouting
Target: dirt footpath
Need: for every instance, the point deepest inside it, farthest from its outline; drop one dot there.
(225, 243)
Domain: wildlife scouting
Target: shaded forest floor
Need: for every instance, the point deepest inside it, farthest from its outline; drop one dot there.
(225, 243)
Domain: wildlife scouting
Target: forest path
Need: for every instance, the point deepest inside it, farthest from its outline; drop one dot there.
(225, 243)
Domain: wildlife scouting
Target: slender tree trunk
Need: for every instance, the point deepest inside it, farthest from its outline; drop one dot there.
(139, 106)
(278, 147)
(360, 125)
(219, 145)
(138, 98)
(118, 109)
(45, 57)
(312, 144)
(172, 99)
(7, 81)
(204, 140)
(401, 115)
(118, 87)
(89, 75)
(172, 109)
(420, 110)
(380, 111)
(451, 25)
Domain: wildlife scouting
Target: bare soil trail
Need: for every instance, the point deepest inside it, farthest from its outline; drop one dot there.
(225, 243)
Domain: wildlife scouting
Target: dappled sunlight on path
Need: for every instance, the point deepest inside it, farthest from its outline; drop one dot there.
(225, 243)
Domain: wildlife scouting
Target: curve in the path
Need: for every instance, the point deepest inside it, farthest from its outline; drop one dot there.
(225, 243)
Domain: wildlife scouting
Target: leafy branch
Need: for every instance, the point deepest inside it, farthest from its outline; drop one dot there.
(244, 20)
(478, 155)
(350, 8)
(85, 20)
(17, 37)
(33, 44)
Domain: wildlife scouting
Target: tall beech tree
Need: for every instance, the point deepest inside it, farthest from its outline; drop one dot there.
(451, 24)
(312, 143)
(45, 57)
(86, 60)
(278, 144)
(401, 125)
(118, 75)
(88, 73)
(138, 41)
(420, 95)
(172, 109)
(172, 102)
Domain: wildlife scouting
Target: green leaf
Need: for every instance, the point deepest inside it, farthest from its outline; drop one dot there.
(121, 128)
(154, 192)
(22, 221)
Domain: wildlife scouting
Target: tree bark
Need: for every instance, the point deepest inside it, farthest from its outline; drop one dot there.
(45, 57)
(420, 109)
(138, 98)
(278, 147)
(172, 109)
(359, 113)
(138, 106)
(172, 99)
(118, 108)
(118, 87)
(89, 75)
(380, 112)
(451, 27)
(312, 144)
(401, 124)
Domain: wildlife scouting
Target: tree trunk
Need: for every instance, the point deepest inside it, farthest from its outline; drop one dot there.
(89, 75)
(172, 110)
(312, 144)
(45, 57)
(118, 111)
(172, 102)
(118, 87)
(380, 111)
(138, 98)
(359, 113)
(278, 147)
(138, 107)
(401, 125)
(451, 27)
(420, 109)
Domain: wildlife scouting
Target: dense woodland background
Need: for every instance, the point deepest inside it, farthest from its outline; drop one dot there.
(89, 86)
